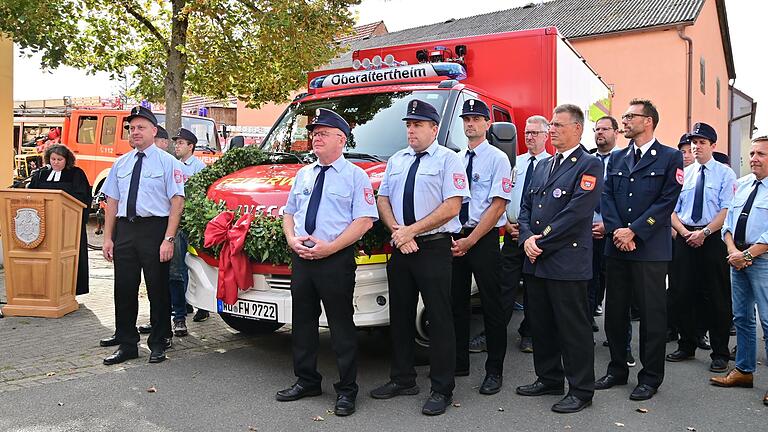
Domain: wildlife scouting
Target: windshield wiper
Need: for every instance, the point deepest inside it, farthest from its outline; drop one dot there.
(363, 156)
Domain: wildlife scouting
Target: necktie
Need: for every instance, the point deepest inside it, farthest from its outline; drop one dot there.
(698, 196)
(133, 190)
(314, 201)
(739, 235)
(528, 175)
(556, 165)
(408, 206)
(638, 155)
(464, 213)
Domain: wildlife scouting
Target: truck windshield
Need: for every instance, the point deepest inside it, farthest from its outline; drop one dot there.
(203, 128)
(375, 119)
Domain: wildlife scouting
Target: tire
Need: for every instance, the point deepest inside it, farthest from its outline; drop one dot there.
(250, 326)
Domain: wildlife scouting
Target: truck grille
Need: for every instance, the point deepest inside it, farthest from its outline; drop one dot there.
(282, 282)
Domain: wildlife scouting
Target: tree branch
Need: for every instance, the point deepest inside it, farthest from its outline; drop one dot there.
(250, 5)
(147, 23)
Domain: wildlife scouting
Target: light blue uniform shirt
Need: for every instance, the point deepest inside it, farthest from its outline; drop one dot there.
(719, 185)
(757, 223)
(441, 175)
(162, 178)
(191, 167)
(347, 195)
(491, 178)
(521, 168)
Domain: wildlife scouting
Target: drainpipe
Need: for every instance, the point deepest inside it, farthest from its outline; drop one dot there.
(689, 55)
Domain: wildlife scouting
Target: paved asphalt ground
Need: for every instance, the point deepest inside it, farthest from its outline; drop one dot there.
(215, 380)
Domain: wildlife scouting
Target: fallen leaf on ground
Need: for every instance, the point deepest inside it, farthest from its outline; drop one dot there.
(330, 412)
(692, 429)
(61, 403)
(619, 424)
(317, 418)
(50, 374)
(456, 404)
(642, 410)
(501, 409)
(567, 426)
(252, 428)
(152, 390)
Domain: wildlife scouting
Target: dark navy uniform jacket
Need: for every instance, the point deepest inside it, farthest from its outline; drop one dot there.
(560, 208)
(642, 198)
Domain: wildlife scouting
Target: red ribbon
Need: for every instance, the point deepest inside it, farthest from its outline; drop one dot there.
(234, 268)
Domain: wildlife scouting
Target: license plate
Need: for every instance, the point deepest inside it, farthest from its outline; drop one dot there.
(250, 309)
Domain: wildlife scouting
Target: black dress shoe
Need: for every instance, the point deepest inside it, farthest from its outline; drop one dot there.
(570, 404)
(491, 384)
(719, 365)
(157, 355)
(702, 342)
(392, 389)
(679, 356)
(436, 404)
(145, 328)
(110, 341)
(642, 392)
(538, 388)
(608, 381)
(298, 391)
(121, 355)
(345, 405)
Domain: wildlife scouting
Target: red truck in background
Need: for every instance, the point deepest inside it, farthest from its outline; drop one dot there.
(517, 74)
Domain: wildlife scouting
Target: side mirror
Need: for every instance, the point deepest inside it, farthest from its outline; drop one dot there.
(237, 142)
(503, 136)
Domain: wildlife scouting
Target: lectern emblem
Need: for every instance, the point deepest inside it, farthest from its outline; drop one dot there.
(27, 223)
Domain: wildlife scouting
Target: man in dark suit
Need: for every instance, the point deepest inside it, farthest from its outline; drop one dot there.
(640, 193)
(556, 234)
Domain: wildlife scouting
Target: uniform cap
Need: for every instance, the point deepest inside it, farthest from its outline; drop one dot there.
(140, 111)
(161, 132)
(186, 135)
(703, 130)
(684, 140)
(420, 110)
(329, 118)
(475, 107)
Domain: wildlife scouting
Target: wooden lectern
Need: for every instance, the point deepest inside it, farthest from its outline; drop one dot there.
(41, 235)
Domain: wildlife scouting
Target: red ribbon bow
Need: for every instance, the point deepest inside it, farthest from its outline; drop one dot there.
(234, 267)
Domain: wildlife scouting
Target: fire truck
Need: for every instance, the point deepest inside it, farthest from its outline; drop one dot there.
(517, 74)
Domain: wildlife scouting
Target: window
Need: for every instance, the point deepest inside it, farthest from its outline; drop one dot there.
(86, 129)
(500, 115)
(702, 76)
(717, 95)
(108, 126)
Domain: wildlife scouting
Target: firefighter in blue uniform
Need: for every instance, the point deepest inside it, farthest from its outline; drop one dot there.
(476, 247)
(556, 234)
(640, 193)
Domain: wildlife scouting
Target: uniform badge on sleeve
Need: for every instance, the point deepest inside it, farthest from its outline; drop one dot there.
(588, 182)
(651, 221)
(680, 176)
(506, 185)
(459, 180)
(368, 193)
(546, 231)
(178, 176)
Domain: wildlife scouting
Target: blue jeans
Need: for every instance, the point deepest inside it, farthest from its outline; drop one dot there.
(178, 278)
(749, 288)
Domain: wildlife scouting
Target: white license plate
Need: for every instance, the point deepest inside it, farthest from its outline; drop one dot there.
(250, 309)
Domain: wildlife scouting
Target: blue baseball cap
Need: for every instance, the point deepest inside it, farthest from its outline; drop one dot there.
(703, 130)
(186, 135)
(475, 107)
(140, 111)
(326, 117)
(420, 110)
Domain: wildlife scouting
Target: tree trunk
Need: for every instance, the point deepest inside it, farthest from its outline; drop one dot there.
(176, 70)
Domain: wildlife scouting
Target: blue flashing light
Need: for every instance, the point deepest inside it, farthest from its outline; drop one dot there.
(450, 70)
(317, 82)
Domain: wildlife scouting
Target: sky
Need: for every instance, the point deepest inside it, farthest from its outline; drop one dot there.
(744, 19)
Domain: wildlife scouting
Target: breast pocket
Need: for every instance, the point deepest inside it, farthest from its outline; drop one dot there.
(429, 182)
(620, 180)
(654, 179)
(341, 197)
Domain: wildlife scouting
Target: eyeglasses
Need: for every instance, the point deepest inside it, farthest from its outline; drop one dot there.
(630, 116)
(603, 129)
(557, 125)
(534, 133)
(322, 134)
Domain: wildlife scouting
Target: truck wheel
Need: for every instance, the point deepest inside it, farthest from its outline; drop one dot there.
(249, 326)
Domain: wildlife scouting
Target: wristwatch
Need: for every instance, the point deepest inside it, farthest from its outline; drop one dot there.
(748, 256)
(707, 231)
(170, 239)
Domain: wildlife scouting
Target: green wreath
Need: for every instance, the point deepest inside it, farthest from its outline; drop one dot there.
(265, 242)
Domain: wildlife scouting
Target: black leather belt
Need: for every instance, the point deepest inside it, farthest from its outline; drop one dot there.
(466, 231)
(138, 219)
(694, 228)
(742, 246)
(432, 237)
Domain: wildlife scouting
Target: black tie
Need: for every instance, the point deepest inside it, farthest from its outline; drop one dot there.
(638, 155)
(698, 196)
(528, 175)
(739, 235)
(464, 213)
(556, 165)
(409, 217)
(133, 190)
(314, 201)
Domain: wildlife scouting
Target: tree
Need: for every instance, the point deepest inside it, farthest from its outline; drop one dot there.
(257, 50)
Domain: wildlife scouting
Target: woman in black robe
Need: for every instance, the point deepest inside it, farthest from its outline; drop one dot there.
(61, 173)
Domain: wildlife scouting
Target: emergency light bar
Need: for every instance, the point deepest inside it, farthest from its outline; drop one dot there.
(402, 73)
